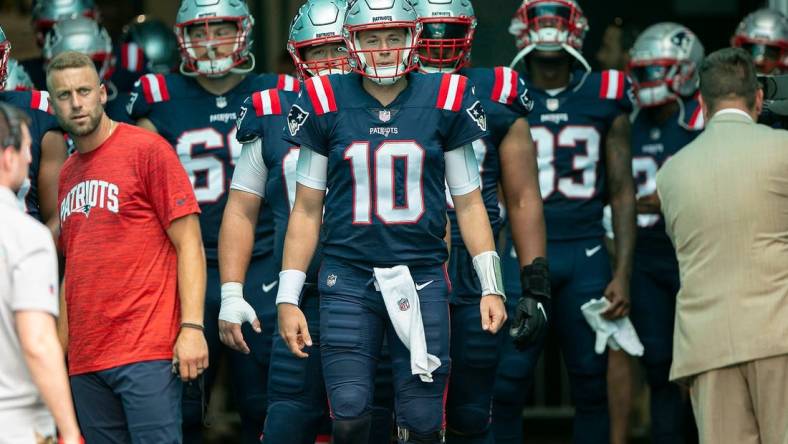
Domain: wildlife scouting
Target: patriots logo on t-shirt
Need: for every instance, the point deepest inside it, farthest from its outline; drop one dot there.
(477, 114)
(295, 119)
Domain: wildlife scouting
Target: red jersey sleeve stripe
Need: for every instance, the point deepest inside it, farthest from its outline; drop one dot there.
(462, 81)
(165, 94)
(696, 121)
(329, 92)
(321, 94)
(612, 86)
(287, 83)
(310, 90)
(257, 102)
(276, 104)
(451, 91)
(505, 85)
(131, 57)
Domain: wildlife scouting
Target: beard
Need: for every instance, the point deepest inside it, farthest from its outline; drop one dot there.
(85, 129)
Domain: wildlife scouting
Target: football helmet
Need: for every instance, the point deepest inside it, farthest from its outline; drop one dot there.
(447, 28)
(157, 41)
(196, 17)
(549, 25)
(318, 22)
(764, 34)
(84, 35)
(664, 64)
(18, 79)
(46, 13)
(370, 15)
(5, 50)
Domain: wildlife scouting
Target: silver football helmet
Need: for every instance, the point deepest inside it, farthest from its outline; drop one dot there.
(318, 22)
(200, 45)
(371, 15)
(5, 51)
(83, 35)
(157, 41)
(447, 28)
(664, 64)
(764, 34)
(549, 25)
(47, 12)
(18, 79)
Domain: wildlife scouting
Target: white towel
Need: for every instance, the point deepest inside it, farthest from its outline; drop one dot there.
(617, 334)
(402, 303)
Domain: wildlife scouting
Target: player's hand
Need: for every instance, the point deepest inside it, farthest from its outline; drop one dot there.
(190, 355)
(530, 318)
(234, 312)
(648, 204)
(493, 313)
(293, 329)
(617, 292)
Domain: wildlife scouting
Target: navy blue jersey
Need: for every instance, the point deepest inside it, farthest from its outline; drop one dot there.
(569, 129)
(386, 203)
(652, 145)
(201, 128)
(263, 115)
(504, 97)
(36, 105)
(130, 65)
(35, 69)
(116, 104)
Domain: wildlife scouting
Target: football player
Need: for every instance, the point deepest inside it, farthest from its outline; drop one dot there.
(297, 404)
(506, 156)
(147, 46)
(196, 111)
(580, 127)
(48, 147)
(87, 36)
(663, 67)
(385, 142)
(17, 78)
(764, 34)
(45, 14)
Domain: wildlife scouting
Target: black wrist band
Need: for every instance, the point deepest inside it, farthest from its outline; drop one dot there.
(190, 325)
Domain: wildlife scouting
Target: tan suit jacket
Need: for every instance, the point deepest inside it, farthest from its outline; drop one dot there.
(725, 201)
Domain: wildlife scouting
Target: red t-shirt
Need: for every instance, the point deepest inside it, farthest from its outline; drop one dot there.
(121, 268)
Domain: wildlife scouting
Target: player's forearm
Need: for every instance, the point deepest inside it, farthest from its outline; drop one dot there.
(44, 359)
(236, 239)
(191, 281)
(303, 233)
(474, 223)
(53, 154)
(526, 217)
(624, 229)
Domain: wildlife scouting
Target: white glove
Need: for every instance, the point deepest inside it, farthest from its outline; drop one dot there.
(234, 307)
(618, 333)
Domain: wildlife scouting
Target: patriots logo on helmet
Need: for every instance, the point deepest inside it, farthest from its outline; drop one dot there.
(477, 114)
(682, 39)
(295, 119)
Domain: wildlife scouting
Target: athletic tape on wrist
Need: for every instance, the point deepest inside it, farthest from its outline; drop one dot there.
(291, 282)
(232, 290)
(488, 269)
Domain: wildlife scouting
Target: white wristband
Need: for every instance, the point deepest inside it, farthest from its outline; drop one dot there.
(291, 282)
(232, 290)
(488, 269)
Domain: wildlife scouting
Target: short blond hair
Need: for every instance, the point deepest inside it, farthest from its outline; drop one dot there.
(67, 60)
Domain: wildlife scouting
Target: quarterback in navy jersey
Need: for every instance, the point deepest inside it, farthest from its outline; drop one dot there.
(297, 403)
(506, 156)
(47, 149)
(385, 142)
(580, 127)
(196, 112)
(663, 66)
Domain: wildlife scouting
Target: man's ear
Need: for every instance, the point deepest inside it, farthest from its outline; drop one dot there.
(758, 103)
(103, 93)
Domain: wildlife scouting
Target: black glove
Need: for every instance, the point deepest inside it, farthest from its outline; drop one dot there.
(530, 317)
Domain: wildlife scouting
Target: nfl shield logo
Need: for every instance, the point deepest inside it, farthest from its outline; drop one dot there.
(384, 115)
(221, 102)
(404, 305)
(655, 134)
(552, 104)
(332, 280)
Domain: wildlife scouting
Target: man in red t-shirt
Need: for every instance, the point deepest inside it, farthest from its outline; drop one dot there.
(135, 267)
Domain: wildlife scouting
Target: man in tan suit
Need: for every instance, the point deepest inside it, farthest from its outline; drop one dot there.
(725, 201)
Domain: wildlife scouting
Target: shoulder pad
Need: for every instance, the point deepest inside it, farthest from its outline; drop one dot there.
(505, 85)
(131, 57)
(154, 88)
(612, 85)
(267, 103)
(288, 83)
(40, 100)
(451, 91)
(321, 94)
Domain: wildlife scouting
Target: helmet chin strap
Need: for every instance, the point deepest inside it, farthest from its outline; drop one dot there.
(570, 50)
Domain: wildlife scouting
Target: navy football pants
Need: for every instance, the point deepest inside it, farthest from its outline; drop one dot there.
(579, 272)
(137, 403)
(474, 357)
(655, 283)
(353, 323)
(249, 373)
